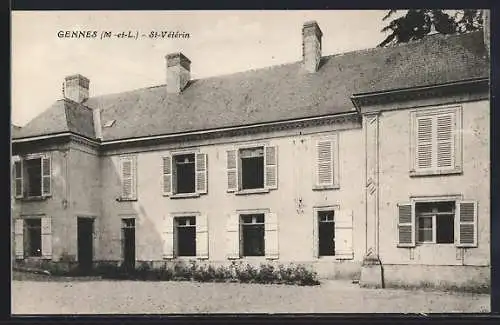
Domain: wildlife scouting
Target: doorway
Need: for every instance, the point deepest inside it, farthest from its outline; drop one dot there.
(128, 242)
(85, 243)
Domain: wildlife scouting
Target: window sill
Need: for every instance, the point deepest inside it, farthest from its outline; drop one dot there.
(185, 195)
(122, 199)
(252, 191)
(417, 173)
(326, 187)
(34, 198)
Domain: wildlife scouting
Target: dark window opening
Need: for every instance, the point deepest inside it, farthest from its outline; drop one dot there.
(252, 168)
(186, 236)
(445, 229)
(326, 233)
(34, 174)
(33, 238)
(185, 173)
(438, 215)
(252, 234)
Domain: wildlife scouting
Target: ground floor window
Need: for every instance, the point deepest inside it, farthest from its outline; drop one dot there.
(435, 222)
(185, 234)
(326, 233)
(33, 237)
(252, 234)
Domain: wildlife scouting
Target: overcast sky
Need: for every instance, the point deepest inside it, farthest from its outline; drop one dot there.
(221, 42)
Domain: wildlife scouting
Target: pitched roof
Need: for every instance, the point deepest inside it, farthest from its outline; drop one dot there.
(285, 91)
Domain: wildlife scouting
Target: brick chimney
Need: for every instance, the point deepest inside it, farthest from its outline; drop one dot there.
(486, 30)
(311, 46)
(178, 72)
(76, 88)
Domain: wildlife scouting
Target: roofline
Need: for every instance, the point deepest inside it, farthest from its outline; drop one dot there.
(52, 136)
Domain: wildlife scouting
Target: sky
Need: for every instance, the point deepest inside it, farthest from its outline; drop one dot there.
(220, 42)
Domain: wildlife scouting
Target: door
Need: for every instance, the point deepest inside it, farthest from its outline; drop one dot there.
(85, 243)
(128, 236)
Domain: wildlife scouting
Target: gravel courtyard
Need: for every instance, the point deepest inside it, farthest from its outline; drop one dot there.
(111, 297)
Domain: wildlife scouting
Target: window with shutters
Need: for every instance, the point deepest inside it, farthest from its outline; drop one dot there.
(184, 174)
(252, 234)
(33, 237)
(32, 176)
(185, 236)
(128, 170)
(333, 233)
(436, 144)
(326, 163)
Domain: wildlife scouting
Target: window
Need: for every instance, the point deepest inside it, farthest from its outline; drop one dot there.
(252, 234)
(252, 168)
(437, 222)
(184, 174)
(333, 232)
(33, 238)
(185, 233)
(326, 234)
(32, 176)
(128, 169)
(326, 171)
(436, 141)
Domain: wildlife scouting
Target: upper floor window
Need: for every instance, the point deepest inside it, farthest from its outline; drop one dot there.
(326, 163)
(436, 141)
(184, 174)
(32, 176)
(128, 173)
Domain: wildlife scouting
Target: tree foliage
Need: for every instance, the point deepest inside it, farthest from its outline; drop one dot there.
(417, 23)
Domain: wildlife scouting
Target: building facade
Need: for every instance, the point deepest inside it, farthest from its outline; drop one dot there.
(377, 155)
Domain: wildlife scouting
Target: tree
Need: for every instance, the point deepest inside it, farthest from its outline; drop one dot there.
(417, 23)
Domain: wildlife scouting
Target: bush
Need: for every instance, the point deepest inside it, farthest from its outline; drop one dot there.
(266, 274)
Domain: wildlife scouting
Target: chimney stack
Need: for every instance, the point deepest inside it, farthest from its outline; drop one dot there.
(178, 72)
(311, 46)
(76, 88)
(486, 30)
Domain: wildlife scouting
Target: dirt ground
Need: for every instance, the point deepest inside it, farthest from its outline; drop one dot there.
(121, 297)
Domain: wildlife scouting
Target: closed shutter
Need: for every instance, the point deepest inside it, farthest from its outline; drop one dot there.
(271, 163)
(406, 225)
(18, 179)
(46, 176)
(467, 224)
(233, 236)
(343, 234)
(168, 237)
(324, 163)
(201, 173)
(46, 238)
(167, 175)
(424, 143)
(232, 170)
(271, 239)
(202, 236)
(19, 238)
(445, 146)
(128, 175)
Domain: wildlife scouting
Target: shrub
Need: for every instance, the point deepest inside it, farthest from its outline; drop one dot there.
(204, 274)
(266, 274)
(182, 271)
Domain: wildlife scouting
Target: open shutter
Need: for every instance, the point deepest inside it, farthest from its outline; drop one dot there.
(202, 236)
(271, 163)
(343, 234)
(18, 238)
(168, 236)
(271, 240)
(467, 224)
(46, 176)
(233, 236)
(424, 143)
(445, 143)
(324, 163)
(46, 238)
(167, 175)
(406, 225)
(18, 179)
(201, 173)
(128, 176)
(232, 170)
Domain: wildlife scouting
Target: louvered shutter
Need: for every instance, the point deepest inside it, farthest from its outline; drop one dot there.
(168, 237)
(202, 236)
(424, 143)
(167, 175)
(46, 238)
(46, 176)
(466, 224)
(232, 170)
(271, 239)
(19, 238)
(18, 179)
(201, 173)
(271, 166)
(343, 234)
(406, 225)
(233, 236)
(445, 146)
(128, 173)
(324, 163)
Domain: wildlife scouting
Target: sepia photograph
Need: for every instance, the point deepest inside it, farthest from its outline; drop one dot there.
(243, 162)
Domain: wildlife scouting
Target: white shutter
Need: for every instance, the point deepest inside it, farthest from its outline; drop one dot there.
(233, 236)
(202, 236)
(18, 179)
(201, 173)
(19, 238)
(271, 239)
(232, 170)
(324, 163)
(168, 237)
(46, 238)
(271, 167)
(466, 223)
(128, 177)
(445, 144)
(424, 143)
(167, 175)
(46, 176)
(343, 234)
(406, 225)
